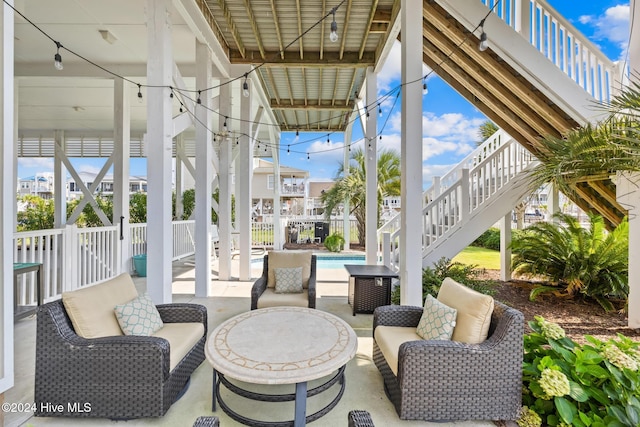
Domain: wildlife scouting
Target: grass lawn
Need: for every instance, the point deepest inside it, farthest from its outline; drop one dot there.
(483, 258)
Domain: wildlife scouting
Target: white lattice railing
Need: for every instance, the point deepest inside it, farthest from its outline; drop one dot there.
(560, 42)
(464, 190)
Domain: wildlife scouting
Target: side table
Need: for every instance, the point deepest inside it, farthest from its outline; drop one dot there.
(369, 286)
(20, 311)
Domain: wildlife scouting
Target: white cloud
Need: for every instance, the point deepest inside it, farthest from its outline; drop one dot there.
(42, 164)
(430, 171)
(390, 73)
(613, 25)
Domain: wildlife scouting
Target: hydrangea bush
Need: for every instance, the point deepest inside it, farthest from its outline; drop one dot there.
(568, 384)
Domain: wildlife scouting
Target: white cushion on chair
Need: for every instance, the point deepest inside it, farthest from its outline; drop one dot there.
(270, 298)
(289, 259)
(90, 309)
(389, 339)
(474, 311)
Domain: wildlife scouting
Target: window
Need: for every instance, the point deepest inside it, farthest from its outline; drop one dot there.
(270, 182)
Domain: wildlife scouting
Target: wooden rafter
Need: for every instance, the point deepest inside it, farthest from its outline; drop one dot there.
(232, 26)
(345, 29)
(304, 86)
(288, 78)
(453, 54)
(468, 44)
(272, 82)
(347, 100)
(321, 50)
(304, 104)
(208, 16)
(335, 88)
(312, 59)
(254, 27)
(300, 29)
(365, 36)
(277, 25)
(608, 194)
(608, 214)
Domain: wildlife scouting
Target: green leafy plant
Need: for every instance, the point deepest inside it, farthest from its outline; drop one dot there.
(569, 384)
(432, 278)
(334, 242)
(576, 260)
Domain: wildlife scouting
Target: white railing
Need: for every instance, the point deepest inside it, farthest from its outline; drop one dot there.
(183, 240)
(95, 252)
(45, 247)
(483, 174)
(560, 42)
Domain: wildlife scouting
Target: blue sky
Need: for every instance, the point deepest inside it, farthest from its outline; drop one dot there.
(449, 128)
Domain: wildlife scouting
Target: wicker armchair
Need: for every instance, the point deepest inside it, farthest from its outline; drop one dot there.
(358, 418)
(447, 380)
(120, 377)
(207, 422)
(260, 285)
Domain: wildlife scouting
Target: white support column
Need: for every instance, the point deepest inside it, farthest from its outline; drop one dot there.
(371, 162)
(7, 197)
(204, 150)
(59, 182)
(224, 197)
(411, 155)
(553, 203)
(277, 229)
(505, 251)
(180, 154)
(121, 156)
(159, 152)
(244, 172)
(346, 159)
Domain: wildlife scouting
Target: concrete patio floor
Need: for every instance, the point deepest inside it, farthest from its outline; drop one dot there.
(364, 389)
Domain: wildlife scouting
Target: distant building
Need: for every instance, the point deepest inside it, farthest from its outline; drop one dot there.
(293, 190)
(38, 184)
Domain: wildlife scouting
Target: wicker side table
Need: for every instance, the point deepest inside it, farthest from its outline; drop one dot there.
(369, 286)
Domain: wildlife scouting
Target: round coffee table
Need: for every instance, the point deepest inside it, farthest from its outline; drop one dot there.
(280, 345)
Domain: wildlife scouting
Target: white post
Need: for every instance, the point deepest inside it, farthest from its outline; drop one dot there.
(121, 145)
(60, 182)
(277, 230)
(505, 251)
(243, 177)
(159, 151)
(411, 155)
(553, 203)
(371, 162)
(224, 175)
(346, 158)
(8, 198)
(204, 154)
(180, 154)
(465, 195)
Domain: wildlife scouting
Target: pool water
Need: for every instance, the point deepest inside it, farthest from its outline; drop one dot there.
(327, 261)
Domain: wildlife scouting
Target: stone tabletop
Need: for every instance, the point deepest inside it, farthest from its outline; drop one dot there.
(281, 345)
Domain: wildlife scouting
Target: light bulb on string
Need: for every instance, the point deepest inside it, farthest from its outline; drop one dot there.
(425, 90)
(484, 44)
(57, 58)
(245, 87)
(297, 138)
(308, 157)
(288, 150)
(139, 94)
(199, 101)
(224, 125)
(170, 92)
(333, 36)
(328, 140)
(379, 110)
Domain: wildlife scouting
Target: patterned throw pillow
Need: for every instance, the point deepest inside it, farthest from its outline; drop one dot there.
(139, 316)
(288, 280)
(437, 321)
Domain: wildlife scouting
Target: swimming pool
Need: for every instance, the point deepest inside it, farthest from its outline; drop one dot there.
(326, 261)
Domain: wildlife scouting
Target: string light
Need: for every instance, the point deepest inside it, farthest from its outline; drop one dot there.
(57, 59)
(379, 110)
(199, 101)
(333, 36)
(328, 140)
(245, 87)
(425, 89)
(224, 125)
(288, 150)
(140, 93)
(308, 157)
(297, 138)
(484, 44)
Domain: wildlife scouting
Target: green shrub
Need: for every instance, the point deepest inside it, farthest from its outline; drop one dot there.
(568, 384)
(463, 273)
(576, 260)
(490, 239)
(334, 242)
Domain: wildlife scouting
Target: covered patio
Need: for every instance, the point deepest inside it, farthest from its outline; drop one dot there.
(364, 384)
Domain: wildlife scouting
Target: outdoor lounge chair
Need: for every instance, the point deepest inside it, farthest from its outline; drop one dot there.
(116, 376)
(264, 292)
(441, 380)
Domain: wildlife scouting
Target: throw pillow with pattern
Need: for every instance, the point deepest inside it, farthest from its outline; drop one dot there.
(437, 321)
(138, 316)
(288, 280)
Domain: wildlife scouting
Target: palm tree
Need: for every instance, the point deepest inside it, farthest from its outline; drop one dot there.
(594, 152)
(353, 186)
(485, 130)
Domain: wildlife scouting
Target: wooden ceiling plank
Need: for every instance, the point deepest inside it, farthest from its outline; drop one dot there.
(206, 12)
(272, 81)
(276, 23)
(232, 26)
(320, 86)
(487, 80)
(254, 27)
(348, 100)
(335, 87)
(365, 36)
(345, 28)
(305, 104)
(312, 59)
(304, 86)
(603, 210)
(288, 78)
(324, 13)
(300, 29)
(469, 45)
